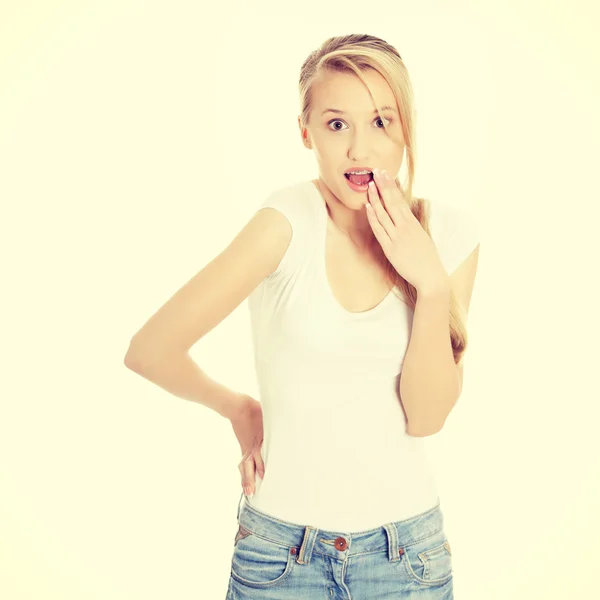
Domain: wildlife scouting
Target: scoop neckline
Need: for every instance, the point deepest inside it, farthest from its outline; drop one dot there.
(322, 265)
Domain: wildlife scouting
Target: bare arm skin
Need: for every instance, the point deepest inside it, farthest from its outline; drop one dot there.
(159, 351)
(431, 382)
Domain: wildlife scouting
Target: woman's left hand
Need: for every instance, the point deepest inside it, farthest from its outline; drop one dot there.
(405, 243)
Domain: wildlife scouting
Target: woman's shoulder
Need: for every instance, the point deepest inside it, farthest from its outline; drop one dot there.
(455, 230)
(295, 200)
(296, 203)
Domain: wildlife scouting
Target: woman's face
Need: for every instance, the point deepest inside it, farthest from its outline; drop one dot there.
(353, 137)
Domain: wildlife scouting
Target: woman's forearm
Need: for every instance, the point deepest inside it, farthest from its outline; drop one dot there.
(178, 374)
(429, 384)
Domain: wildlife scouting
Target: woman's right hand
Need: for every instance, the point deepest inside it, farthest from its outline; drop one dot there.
(248, 428)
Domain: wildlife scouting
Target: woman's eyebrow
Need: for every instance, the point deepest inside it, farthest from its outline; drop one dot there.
(341, 112)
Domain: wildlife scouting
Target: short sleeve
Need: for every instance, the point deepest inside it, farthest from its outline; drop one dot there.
(294, 207)
(456, 232)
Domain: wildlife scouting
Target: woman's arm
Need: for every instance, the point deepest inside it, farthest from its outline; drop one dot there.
(159, 351)
(431, 382)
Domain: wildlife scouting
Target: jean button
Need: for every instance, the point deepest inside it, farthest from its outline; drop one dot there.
(341, 543)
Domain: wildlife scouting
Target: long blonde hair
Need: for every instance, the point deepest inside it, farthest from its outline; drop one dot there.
(351, 54)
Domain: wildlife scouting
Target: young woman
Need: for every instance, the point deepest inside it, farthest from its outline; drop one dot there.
(358, 294)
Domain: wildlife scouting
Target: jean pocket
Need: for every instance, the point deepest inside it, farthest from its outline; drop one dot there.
(429, 561)
(258, 562)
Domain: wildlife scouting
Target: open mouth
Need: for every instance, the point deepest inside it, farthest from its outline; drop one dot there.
(359, 179)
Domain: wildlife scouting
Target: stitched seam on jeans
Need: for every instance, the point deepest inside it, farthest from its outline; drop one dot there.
(262, 537)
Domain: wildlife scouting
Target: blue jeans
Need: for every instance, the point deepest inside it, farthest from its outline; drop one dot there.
(277, 560)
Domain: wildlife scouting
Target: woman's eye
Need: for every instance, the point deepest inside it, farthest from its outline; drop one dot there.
(340, 121)
(336, 121)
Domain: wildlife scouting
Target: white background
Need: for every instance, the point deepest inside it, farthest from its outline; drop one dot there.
(137, 138)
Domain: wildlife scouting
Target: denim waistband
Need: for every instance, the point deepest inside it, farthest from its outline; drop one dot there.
(340, 544)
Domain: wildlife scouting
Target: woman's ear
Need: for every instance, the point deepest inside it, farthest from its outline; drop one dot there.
(304, 135)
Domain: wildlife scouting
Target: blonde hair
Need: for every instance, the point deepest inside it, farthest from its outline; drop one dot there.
(352, 54)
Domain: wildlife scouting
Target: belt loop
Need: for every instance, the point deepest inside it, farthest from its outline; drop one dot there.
(392, 531)
(308, 543)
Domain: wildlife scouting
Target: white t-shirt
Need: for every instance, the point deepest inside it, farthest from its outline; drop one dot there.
(335, 447)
